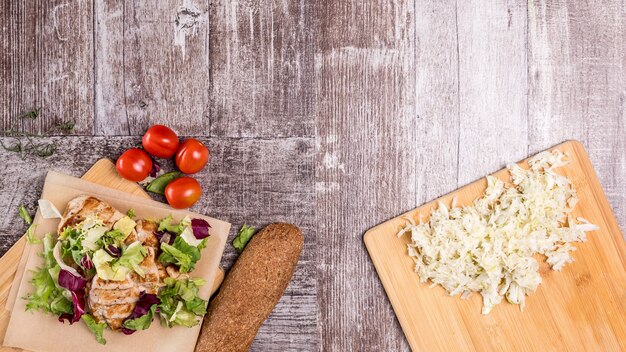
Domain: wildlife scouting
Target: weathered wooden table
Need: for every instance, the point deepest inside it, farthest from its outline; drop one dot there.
(333, 115)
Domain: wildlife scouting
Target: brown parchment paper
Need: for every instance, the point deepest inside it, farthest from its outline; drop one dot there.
(37, 331)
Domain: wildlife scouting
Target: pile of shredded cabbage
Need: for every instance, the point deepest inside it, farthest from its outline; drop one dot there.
(488, 246)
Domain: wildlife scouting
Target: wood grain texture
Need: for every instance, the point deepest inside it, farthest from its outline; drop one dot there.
(492, 86)
(46, 60)
(152, 66)
(261, 68)
(437, 99)
(577, 75)
(332, 115)
(366, 158)
(580, 308)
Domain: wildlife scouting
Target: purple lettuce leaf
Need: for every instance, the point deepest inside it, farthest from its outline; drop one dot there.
(79, 307)
(165, 236)
(142, 307)
(200, 228)
(86, 263)
(156, 167)
(71, 281)
(127, 331)
(113, 251)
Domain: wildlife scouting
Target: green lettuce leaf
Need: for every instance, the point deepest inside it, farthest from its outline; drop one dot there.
(166, 225)
(116, 269)
(143, 322)
(72, 244)
(181, 254)
(180, 304)
(96, 328)
(48, 247)
(244, 235)
(183, 317)
(48, 296)
(131, 257)
(114, 237)
(30, 235)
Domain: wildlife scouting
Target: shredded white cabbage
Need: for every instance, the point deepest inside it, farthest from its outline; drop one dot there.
(488, 246)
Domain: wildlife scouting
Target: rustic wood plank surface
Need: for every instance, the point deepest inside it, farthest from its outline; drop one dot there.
(152, 66)
(261, 50)
(492, 86)
(577, 80)
(333, 115)
(46, 59)
(362, 130)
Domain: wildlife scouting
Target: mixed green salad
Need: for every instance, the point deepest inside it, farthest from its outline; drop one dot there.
(90, 249)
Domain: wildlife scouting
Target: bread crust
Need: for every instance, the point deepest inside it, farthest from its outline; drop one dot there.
(251, 289)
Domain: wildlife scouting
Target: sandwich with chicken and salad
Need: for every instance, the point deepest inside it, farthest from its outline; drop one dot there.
(110, 270)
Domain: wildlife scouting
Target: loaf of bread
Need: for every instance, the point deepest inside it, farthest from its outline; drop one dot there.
(251, 289)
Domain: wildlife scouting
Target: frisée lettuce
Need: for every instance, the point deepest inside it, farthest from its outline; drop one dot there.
(488, 246)
(48, 296)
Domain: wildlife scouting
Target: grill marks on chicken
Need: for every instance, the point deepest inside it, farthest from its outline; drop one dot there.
(82, 207)
(113, 301)
(144, 233)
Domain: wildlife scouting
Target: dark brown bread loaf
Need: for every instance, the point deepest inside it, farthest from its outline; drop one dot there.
(251, 289)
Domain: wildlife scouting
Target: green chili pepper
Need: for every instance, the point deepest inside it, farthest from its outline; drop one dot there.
(158, 184)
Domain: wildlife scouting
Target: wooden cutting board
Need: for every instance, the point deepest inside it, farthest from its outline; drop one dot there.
(102, 172)
(581, 308)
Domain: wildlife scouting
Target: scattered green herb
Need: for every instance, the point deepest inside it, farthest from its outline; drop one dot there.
(244, 235)
(33, 114)
(24, 214)
(131, 213)
(29, 146)
(158, 184)
(26, 143)
(66, 126)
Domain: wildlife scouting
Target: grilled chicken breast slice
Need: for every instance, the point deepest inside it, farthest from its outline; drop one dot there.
(113, 301)
(82, 207)
(144, 233)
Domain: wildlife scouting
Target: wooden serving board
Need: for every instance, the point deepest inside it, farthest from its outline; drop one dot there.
(581, 308)
(102, 172)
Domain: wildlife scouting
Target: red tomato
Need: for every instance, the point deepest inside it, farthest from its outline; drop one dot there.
(191, 156)
(134, 164)
(183, 192)
(160, 141)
